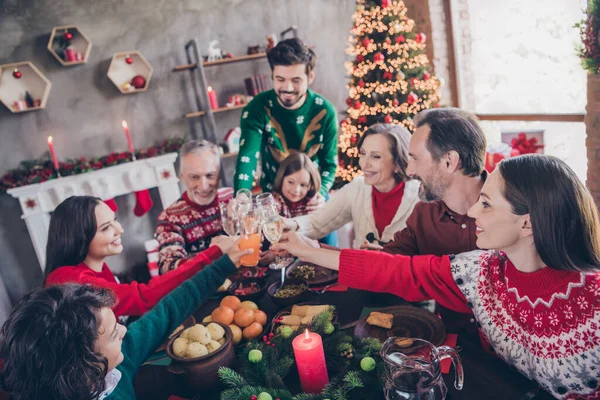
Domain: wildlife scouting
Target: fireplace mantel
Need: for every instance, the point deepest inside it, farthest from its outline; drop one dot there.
(39, 200)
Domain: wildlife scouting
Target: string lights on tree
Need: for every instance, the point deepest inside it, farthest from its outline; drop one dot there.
(390, 76)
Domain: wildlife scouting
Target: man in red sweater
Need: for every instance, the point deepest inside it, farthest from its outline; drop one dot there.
(188, 225)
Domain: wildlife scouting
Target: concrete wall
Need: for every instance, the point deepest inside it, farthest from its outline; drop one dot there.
(85, 109)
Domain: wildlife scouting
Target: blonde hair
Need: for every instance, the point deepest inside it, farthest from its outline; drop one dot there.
(295, 162)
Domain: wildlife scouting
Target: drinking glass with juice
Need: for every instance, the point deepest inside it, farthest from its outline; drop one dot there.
(251, 238)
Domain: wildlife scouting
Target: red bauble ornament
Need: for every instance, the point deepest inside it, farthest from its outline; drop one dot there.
(360, 58)
(426, 75)
(400, 39)
(129, 60)
(362, 120)
(413, 80)
(357, 105)
(138, 82)
(366, 42)
(378, 57)
(514, 153)
(361, 83)
(420, 38)
(396, 102)
(385, 3)
(388, 40)
(349, 101)
(388, 119)
(253, 397)
(17, 74)
(68, 36)
(412, 98)
(436, 105)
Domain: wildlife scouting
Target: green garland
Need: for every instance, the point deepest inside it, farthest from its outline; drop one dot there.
(265, 379)
(589, 28)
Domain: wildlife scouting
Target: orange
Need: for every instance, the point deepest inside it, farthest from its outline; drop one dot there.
(252, 331)
(223, 315)
(260, 317)
(231, 302)
(243, 317)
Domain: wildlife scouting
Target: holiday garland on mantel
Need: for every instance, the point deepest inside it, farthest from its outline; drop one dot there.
(41, 170)
(355, 368)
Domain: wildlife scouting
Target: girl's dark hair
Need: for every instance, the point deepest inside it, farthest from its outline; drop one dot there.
(292, 52)
(295, 162)
(72, 228)
(564, 217)
(398, 137)
(48, 344)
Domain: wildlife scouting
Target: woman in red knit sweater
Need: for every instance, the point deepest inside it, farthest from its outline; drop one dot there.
(536, 298)
(84, 231)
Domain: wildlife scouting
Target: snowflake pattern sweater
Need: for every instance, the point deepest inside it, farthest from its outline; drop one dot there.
(270, 132)
(546, 324)
(186, 228)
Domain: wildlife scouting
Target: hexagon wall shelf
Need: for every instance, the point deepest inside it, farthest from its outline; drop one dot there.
(127, 65)
(13, 91)
(69, 52)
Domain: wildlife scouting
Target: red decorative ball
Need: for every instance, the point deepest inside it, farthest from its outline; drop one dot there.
(366, 42)
(388, 119)
(400, 39)
(378, 57)
(138, 82)
(413, 80)
(426, 75)
(388, 40)
(357, 105)
(362, 120)
(360, 58)
(396, 102)
(349, 101)
(129, 60)
(385, 3)
(17, 74)
(412, 98)
(420, 38)
(253, 397)
(361, 83)
(353, 139)
(68, 35)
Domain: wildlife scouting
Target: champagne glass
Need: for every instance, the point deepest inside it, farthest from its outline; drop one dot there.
(272, 227)
(243, 199)
(229, 217)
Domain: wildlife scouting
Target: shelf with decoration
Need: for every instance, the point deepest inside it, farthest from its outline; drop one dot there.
(69, 45)
(223, 61)
(130, 72)
(23, 87)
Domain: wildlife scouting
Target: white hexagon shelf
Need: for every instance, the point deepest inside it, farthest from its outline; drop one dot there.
(130, 72)
(69, 45)
(19, 79)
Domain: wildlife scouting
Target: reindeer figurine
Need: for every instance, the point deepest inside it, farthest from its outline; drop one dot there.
(214, 53)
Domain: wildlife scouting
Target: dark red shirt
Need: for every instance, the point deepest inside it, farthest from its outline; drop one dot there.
(385, 206)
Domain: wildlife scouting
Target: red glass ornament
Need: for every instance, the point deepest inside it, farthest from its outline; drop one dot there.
(361, 83)
(396, 102)
(360, 58)
(385, 3)
(17, 74)
(413, 80)
(68, 36)
(388, 119)
(253, 397)
(388, 40)
(400, 39)
(378, 57)
(420, 38)
(362, 119)
(426, 75)
(349, 101)
(129, 60)
(138, 82)
(365, 42)
(412, 98)
(357, 105)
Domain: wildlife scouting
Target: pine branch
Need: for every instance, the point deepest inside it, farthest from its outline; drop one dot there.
(231, 378)
(352, 380)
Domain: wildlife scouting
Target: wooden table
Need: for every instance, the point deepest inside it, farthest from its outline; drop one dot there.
(486, 377)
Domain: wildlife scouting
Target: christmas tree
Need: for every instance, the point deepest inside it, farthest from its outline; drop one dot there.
(390, 78)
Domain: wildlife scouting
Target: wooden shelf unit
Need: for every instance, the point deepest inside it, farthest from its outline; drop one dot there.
(216, 110)
(32, 80)
(80, 44)
(249, 57)
(120, 73)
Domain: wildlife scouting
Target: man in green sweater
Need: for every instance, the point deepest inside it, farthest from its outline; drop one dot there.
(288, 118)
(63, 342)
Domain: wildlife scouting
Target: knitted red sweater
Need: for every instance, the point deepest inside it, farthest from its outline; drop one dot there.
(135, 298)
(546, 324)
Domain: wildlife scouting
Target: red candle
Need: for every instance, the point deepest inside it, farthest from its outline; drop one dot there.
(212, 98)
(52, 153)
(128, 138)
(310, 360)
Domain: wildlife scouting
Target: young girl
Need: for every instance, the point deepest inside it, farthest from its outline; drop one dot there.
(536, 298)
(84, 231)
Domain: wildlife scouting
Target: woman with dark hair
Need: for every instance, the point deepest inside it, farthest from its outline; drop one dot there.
(84, 231)
(64, 341)
(377, 203)
(536, 297)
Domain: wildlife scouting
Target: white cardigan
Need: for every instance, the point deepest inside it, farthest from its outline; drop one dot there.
(353, 203)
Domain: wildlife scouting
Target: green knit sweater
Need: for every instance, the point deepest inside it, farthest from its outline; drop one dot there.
(145, 335)
(270, 131)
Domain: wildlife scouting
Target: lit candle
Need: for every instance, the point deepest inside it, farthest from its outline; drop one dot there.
(212, 98)
(129, 143)
(52, 153)
(310, 360)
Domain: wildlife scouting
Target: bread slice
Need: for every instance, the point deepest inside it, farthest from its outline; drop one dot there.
(382, 320)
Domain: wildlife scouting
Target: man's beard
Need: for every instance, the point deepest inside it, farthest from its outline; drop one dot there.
(290, 102)
(428, 193)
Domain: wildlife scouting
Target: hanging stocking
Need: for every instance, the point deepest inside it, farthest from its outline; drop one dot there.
(111, 203)
(143, 203)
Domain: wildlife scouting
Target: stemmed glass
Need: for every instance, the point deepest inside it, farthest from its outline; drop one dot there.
(272, 227)
(243, 199)
(229, 217)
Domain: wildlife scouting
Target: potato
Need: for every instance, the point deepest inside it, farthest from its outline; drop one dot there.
(185, 334)
(213, 345)
(196, 350)
(208, 318)
(216, 331)
(221, 341)
(199, 333)
(180, 327)
(180, 346)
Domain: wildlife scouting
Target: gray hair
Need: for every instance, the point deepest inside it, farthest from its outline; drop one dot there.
(198, 147)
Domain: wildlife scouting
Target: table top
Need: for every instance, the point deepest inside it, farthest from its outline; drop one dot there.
(485, 375)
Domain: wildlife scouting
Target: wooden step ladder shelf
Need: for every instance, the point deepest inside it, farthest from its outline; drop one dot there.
(249, 57)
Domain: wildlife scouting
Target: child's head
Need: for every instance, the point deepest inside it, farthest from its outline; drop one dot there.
(60, 341)
(297, 178)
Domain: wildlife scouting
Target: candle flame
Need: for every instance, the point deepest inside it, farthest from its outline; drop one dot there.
(306, 337)
(49, 139)
(210, 89)
(124, 124)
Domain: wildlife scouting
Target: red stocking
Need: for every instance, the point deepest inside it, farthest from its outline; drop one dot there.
(111, 203)
(143, 203)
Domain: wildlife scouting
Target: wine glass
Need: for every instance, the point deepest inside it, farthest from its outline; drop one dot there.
(243, 199)
(229, 217)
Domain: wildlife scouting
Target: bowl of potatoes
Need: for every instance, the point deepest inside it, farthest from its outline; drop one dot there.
(199, 351)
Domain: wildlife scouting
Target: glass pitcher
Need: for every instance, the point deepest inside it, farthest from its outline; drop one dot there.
(412, 368)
